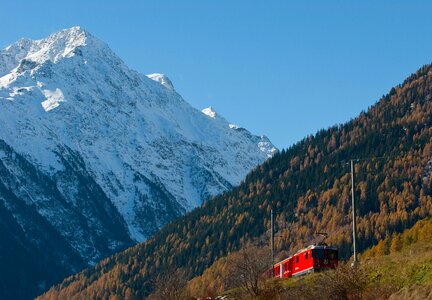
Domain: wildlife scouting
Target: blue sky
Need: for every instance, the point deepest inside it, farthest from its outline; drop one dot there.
(282, 68)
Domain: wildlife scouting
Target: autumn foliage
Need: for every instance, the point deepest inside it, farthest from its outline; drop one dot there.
(308, 185)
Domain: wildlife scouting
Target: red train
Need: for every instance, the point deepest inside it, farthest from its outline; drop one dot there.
(311, 259)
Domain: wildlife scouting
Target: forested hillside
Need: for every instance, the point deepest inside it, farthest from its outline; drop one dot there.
(309, 187)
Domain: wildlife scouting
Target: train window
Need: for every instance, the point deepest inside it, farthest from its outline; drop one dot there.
(332, 254)
(297, 259)
(306, 255)
(318, 253)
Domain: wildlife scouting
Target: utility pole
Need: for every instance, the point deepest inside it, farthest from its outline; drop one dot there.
(272, 240)
(355, 262)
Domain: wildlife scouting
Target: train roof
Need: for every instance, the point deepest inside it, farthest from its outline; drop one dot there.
(319, 246)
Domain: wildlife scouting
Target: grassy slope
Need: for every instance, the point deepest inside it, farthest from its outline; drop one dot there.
(408, 266)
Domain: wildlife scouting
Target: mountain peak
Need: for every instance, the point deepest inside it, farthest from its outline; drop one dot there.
(211, 113)
(22, 43)
(74, 91)
(62, 44)
(72, 37)
(74, 30)
(59, 45)
(162, 79)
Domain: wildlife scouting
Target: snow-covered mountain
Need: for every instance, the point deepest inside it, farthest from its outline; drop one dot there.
(103, 154)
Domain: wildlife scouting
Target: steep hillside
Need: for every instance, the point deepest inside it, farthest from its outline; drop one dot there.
(309, 187)
(95, 157)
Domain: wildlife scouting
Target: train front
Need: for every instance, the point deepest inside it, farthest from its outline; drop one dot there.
(324, 257)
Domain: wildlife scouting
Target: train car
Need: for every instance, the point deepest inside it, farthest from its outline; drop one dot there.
(314, 258)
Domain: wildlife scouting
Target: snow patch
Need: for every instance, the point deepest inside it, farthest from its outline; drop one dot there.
(20, 91)
(162, 79)
(53, 99)
(209, 111)
(266, 146)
